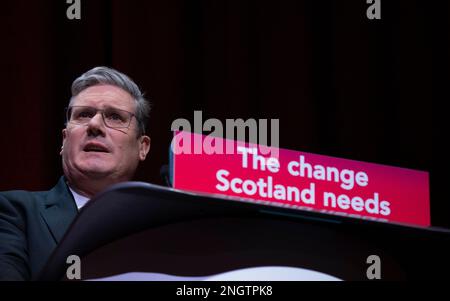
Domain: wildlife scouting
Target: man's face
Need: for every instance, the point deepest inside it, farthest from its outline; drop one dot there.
(95, 151)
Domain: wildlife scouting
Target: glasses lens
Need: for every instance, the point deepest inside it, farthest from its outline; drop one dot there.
(113, 118)
(117, 118)
(81, 114)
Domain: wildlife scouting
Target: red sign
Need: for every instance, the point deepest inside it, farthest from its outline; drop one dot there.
(300, 180)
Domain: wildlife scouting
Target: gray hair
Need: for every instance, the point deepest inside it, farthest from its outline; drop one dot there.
(108, 76)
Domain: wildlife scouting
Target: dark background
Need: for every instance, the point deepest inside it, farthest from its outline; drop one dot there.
(340, 84)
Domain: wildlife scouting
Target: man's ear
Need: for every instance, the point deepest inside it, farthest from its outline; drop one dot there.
(64, 139)
(144, 147)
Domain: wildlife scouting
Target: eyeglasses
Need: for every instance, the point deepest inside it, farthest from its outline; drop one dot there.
(112, 117)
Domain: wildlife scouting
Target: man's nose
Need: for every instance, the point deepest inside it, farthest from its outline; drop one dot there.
(96, 126)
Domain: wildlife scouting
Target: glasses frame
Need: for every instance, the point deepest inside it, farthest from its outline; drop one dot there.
(102, 113)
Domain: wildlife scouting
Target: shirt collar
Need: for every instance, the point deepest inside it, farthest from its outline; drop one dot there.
(80, 200)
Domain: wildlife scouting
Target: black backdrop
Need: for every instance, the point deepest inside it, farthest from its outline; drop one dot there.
(340, 84)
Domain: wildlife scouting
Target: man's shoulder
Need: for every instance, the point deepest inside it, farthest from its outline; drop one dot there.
(27, 197)
(24, 197)
(23, 194)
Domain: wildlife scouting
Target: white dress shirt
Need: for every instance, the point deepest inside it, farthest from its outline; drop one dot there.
(79, 199)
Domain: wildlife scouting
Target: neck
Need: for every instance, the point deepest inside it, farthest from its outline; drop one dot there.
(89, 187)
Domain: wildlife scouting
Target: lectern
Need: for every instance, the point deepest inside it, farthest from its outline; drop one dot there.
(140, 231)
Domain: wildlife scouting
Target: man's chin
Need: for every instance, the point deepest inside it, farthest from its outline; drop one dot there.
(96, 172)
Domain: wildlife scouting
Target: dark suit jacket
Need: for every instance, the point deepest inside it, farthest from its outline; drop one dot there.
(31, 225)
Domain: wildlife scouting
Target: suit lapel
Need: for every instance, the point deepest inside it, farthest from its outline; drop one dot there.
(59, 210)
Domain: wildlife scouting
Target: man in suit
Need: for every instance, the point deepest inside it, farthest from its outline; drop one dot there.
(103, 143)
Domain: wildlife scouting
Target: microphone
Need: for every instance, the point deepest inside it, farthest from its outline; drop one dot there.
(164, 173)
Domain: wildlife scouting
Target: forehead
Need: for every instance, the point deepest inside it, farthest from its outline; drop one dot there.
(103, 96)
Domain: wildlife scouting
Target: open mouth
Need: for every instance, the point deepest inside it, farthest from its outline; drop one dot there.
(97, 148)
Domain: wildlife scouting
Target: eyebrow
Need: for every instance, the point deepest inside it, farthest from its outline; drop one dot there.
(104, 108)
